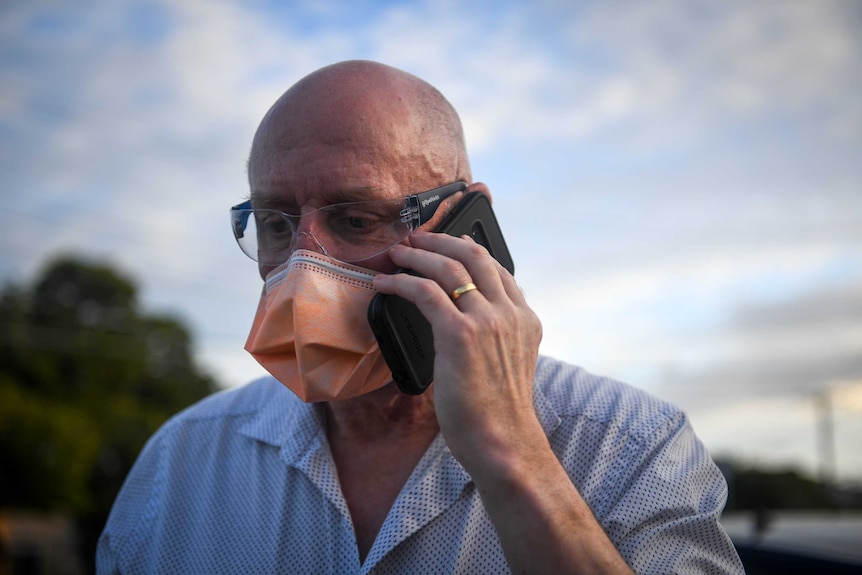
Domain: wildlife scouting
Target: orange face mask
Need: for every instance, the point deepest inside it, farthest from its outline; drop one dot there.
(311, 329)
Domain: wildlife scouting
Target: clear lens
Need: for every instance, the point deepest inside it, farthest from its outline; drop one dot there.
(350, 232)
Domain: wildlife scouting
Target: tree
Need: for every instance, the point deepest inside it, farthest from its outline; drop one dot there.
(85, 379)
(752, 488)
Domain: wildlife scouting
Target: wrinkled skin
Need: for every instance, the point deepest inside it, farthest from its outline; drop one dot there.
(356, 130)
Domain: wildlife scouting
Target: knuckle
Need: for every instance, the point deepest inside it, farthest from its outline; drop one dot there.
(493, 323)
(479, 251)
(470, 331)
(427, 290)
(453, 268)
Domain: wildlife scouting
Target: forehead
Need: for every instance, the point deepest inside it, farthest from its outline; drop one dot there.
(321, 146)
(313, 176)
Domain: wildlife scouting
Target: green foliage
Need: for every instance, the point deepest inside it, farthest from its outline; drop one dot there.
(85, 379)
(752, 488)
(47, 451)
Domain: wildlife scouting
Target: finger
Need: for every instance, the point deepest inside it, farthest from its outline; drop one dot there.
(438, 249)
(461, 290)
(431, 299)
(511, 287)
(513, 290)
(447, 272)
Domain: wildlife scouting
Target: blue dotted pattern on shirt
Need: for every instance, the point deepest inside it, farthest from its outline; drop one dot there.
(244, 482)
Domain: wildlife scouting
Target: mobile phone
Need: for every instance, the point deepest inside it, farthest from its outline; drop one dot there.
(403, 333)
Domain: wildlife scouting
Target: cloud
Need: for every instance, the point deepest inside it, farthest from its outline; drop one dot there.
(660, 74)
(783, 432)
(759, 398)
(708, 63)
(678, 183)
(833, 307)
(798, 346)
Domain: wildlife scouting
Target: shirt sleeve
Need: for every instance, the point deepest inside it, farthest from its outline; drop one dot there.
(132, 511)
(670, 495)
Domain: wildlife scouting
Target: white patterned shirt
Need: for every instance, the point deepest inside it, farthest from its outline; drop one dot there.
(244, 482)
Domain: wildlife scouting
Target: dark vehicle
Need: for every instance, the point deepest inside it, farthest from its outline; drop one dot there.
(789, 543)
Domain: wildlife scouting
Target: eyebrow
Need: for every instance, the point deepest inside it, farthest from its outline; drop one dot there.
(268, 202)
(362, 194)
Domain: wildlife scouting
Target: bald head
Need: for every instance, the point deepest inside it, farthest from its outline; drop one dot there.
(387, 119)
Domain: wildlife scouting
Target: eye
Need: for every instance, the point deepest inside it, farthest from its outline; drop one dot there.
(273, 227)
(364, 227)
(357, 223)
(353, 221)
(277, 226)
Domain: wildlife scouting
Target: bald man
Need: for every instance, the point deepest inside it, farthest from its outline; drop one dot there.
(509, 462)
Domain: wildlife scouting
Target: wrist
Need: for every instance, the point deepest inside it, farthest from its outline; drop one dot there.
(504, 454)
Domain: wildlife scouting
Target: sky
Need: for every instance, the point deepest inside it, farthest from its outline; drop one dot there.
(679, 183)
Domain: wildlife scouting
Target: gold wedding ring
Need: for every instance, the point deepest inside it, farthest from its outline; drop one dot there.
(461, 290)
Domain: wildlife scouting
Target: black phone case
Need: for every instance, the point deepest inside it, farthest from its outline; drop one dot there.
(402, 332)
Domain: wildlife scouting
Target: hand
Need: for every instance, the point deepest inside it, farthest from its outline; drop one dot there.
(486, 346)
(486, 343)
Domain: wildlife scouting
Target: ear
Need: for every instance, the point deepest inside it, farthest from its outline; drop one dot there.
(480, 187)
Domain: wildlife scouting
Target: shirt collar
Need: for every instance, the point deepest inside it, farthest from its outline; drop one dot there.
(285, 421)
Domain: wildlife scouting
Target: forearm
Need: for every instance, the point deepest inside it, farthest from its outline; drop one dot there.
(543, 523)
(486, 345)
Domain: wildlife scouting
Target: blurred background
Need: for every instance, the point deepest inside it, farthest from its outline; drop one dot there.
(680, 185)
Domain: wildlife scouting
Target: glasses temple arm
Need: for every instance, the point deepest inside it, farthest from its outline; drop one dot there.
(239, 215)
(419, 208)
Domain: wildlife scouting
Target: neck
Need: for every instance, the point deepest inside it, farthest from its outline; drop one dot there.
(376, 441)
(385, 414)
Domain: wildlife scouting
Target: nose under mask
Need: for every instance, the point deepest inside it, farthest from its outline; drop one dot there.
(311, 330)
